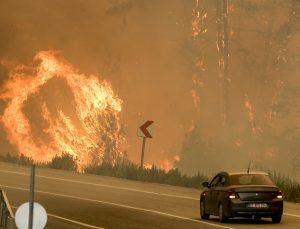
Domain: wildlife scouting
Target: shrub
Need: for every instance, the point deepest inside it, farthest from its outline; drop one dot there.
(65, 161)
(289, 187)
(21, 159)
(24, 160)
(132, 171)
(9, 158)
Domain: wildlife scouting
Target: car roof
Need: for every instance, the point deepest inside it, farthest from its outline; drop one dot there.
(244, 173)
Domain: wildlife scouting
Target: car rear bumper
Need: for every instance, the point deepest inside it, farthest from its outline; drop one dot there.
(239, 208)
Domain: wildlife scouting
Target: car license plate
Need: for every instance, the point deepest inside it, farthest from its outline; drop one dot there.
(257, 205)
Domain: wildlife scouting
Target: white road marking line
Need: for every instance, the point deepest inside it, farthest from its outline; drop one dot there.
(116, 187)
(103, 185)
(72, 221)
(289, 214)
(122, 205)
(75, 222)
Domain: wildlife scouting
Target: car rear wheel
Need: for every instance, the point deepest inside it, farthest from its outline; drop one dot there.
(203, 214)
(222, 217)
(257, 218)
(276, 218)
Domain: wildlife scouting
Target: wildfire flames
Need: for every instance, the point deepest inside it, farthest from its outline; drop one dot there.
(250, 113)
(197, 22)
(91, 133)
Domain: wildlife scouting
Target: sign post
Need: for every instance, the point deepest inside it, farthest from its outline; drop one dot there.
(143, 152)
(144, 132)
(31, 197)
(31, 215)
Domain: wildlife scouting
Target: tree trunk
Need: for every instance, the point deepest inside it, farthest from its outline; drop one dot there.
(222, 46)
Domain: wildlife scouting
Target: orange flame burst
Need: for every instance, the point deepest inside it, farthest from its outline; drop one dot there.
(197, 21)
(94, 135)
(250, 113)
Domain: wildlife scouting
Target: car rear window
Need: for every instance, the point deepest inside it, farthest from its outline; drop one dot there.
(250, 179)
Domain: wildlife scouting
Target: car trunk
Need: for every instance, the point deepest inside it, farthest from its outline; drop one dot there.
(256, 193)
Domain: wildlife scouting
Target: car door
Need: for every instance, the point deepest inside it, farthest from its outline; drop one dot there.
(210, 195)
(216, 192)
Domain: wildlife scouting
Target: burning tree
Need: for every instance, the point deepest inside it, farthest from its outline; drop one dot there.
(90, 130)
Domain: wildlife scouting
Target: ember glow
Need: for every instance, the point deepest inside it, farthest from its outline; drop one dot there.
(250, 113)
(91, 134)
(197, 22)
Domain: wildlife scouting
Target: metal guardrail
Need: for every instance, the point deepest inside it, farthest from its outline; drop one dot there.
(7, 219)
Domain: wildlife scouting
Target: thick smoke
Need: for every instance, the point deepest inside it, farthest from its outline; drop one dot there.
(147, 50)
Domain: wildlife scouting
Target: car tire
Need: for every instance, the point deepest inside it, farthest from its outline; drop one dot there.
(257, 218)
(203, 214)
(222, 217)
(276, 218)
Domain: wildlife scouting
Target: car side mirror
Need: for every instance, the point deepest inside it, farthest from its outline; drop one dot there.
(205, 184)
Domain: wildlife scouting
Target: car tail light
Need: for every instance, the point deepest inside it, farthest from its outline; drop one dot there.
(279, 195)
(232, 195)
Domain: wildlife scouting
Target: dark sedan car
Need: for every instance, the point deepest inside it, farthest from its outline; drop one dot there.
(241, 195)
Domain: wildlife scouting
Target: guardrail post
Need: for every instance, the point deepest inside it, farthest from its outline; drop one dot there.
(7, 218)
(2, 212)
(11, 223)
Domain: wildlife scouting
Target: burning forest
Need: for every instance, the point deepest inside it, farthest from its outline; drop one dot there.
(83, 122)
(219, 78)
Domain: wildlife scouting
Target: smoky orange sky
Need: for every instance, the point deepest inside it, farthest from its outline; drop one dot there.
(163, 71)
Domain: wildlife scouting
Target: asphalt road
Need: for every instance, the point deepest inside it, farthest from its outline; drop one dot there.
(81, 201)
